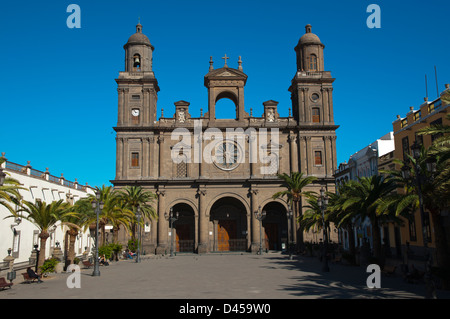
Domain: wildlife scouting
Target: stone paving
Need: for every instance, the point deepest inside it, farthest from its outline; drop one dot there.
(219, 276)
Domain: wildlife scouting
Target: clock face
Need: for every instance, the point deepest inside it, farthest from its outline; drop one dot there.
(228, 155)
(135, 112)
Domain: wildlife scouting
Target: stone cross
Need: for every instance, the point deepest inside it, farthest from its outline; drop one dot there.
(225, 58)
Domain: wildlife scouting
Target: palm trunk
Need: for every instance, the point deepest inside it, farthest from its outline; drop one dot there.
(376, 238)
(71, 254)
(351, 242)
(116, 234)
(43, 236)
(299, 214)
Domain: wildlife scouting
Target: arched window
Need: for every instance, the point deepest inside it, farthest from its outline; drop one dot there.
(136, 62)
(313, 62)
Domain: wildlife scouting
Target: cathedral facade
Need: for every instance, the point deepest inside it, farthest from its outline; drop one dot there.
(217, 176)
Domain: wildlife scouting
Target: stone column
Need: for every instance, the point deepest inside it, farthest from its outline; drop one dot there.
(202, 223)
(255, 222)
(163, 229)
(309, 157)
(303, 161)
(326, 112)
(120, 107)
(308, 117)
(145, 156)
(293, 152)
(330, 104)
(125, 158)
(161, 155)
(119, 158)
(328, 157)
(125, 114)
(152, 158)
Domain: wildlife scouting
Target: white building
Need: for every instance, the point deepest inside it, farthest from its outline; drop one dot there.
(21, 236)
(364, 163)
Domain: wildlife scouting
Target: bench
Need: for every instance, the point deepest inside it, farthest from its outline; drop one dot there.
(4, 284)
(87, 264)
(27, 279)
(389, 270)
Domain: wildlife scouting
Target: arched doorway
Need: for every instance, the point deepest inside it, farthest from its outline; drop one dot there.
(275, 227)
(184, 228)
(229, 219)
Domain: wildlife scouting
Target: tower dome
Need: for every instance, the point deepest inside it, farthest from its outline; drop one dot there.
(309, 52)
(138, 37)
(138, 52)
(309, 37)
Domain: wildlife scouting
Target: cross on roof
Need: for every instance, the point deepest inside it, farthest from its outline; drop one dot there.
(225, 58)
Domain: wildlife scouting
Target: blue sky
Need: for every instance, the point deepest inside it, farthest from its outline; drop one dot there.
(58, 100)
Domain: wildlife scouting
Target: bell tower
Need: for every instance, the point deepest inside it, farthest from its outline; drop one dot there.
(137, 85)
(312, 105)
(226, 83)
(137, 89)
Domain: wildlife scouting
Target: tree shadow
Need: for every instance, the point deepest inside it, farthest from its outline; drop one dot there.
(341, 282)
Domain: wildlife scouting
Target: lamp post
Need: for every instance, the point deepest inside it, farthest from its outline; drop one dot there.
(172, 218)
(260, 215)
(98, 206)
(415, 148)
(138, 252)
(290, 216)
(322, 201)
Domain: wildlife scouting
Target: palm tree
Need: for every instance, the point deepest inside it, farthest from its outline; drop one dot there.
(132, 197)
(363, 198)
(44, 216)
(295, 182)
(109, 197)
(433, 197)
(81, 215)
(312, 218)
(439, 152)
(342, 214)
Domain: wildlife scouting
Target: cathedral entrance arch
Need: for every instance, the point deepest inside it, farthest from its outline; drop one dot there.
(275, 226)
(229, 219)
(184, 228)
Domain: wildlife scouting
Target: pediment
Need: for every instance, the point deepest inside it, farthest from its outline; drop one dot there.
(226, 72)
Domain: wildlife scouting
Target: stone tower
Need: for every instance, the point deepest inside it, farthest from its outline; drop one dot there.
(138, 95)
(312, 106)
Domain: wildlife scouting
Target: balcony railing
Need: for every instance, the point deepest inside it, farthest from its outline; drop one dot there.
(27, 170)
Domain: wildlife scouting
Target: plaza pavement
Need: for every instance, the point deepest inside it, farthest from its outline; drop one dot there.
(219, 276)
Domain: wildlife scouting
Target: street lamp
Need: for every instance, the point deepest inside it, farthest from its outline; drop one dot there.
(138, 252)
(416, 148)
(290, 216)
(260, 215)
(97, 205)
(322, 201)
(172, 218)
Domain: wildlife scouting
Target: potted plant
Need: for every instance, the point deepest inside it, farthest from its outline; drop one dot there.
(48, 266)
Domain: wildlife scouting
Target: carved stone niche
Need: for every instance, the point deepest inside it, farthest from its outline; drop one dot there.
(270, 111)
(182, 112)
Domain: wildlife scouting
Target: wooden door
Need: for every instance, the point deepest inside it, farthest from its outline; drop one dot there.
(271, 235)
(226, 230)
(182, 234)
